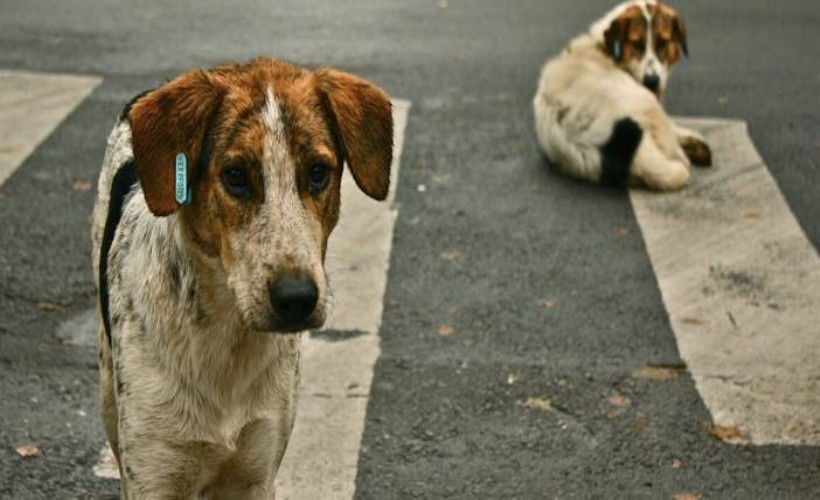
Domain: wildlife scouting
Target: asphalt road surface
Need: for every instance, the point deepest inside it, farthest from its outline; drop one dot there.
(526, 350)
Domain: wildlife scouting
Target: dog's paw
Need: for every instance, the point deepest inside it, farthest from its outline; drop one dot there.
(698, 152)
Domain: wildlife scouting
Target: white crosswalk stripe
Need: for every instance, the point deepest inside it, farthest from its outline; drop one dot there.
(741, 284)
(31, 107)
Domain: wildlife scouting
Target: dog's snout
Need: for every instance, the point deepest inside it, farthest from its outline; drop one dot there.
(293, 300)
(652, 82)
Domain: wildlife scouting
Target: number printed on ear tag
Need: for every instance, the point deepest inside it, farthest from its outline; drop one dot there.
(183, 194)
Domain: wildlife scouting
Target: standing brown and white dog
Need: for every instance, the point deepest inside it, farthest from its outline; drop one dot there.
(598, 111)
(198, 378)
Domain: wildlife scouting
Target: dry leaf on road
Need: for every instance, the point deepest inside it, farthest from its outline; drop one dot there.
(446, 330)
(450, 255)
(617, 399)
(659, 373)
(726, 433)
(49, 307)
(81, 186)
(541, 404)
(28, 451)
(686, 496)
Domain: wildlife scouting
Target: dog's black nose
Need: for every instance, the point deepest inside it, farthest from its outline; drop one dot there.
(652, 82)
(294, 300)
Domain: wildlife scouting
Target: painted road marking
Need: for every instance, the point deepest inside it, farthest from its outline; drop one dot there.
(31, 107)
(741, 283)
(323, 453)
(337, 364)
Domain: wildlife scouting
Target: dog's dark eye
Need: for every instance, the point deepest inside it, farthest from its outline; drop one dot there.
(318, 176)
(236, 182)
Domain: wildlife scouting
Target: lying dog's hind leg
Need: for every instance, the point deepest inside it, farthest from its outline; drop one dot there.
(657, 171)
(619, 151)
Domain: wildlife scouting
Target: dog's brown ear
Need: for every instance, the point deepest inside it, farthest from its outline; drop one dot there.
(615, 37)
(679, 34)
(364, 125)
(167, 121)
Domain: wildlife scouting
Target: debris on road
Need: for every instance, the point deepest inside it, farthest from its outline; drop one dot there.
(686, 496)
(49, 307)
(658, 373)
(726, 433)
(107, 466)
(619, 400)
(446, 330)
(441, 179)
(28, 451)
(81, 186)
(541, 404)
(450, 255)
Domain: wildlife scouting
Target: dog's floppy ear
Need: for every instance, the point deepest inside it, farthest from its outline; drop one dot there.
(167, 121)
(615, 37)
(363, 122)
(679, 34)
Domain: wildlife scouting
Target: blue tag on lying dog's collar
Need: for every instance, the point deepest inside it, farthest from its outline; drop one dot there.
(183, 193)
(616, 51)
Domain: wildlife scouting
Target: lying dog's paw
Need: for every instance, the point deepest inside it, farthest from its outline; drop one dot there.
(697, 151)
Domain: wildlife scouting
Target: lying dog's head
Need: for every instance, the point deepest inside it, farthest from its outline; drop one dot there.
(645, 38)
(266, 143)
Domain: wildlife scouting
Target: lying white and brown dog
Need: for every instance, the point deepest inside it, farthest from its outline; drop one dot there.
(217, 195)
(598, 110)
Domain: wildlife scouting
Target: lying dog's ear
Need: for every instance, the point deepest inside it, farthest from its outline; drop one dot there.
(679, 34)
(615, 37)
(167, 121)
(364, 125)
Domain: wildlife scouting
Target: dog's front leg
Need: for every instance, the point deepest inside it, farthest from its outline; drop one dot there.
(695, 147)
(250, 472)
(159, 469)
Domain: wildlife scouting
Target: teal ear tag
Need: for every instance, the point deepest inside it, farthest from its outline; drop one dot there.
(183, 193)
(616, 51)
